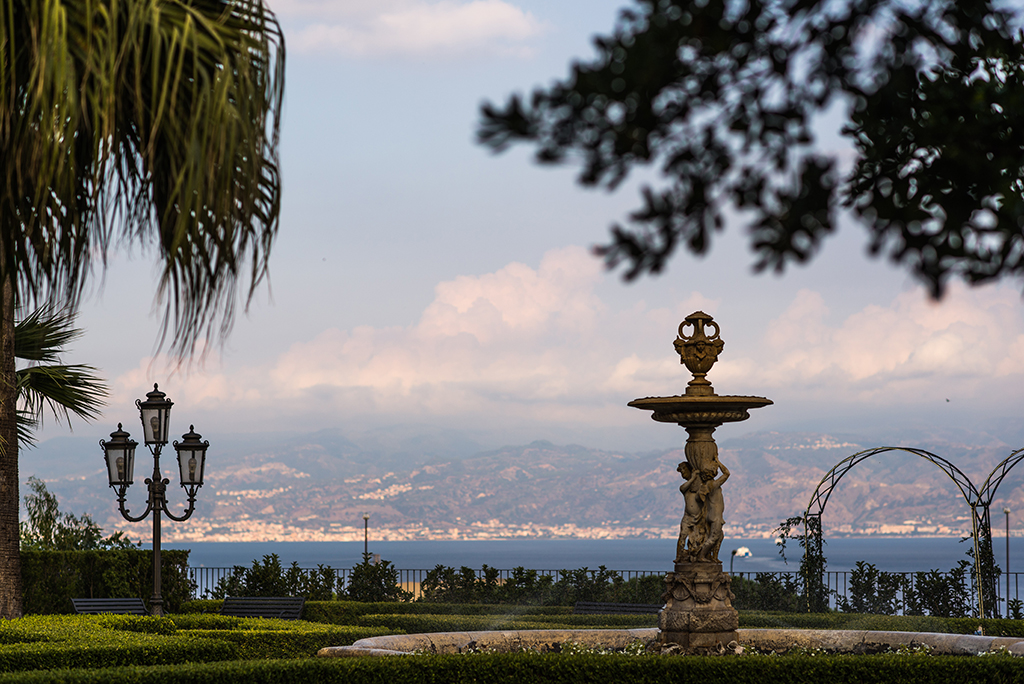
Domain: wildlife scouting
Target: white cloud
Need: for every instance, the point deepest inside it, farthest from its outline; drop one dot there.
(911, 350)
(538, 346)
(409, 28)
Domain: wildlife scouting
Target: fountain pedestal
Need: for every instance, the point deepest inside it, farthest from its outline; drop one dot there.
(698, 615)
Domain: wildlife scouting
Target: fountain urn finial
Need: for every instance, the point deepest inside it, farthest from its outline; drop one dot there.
(699, 352)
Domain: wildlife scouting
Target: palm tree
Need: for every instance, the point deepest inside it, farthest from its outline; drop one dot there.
(45, 382)
(147, 122)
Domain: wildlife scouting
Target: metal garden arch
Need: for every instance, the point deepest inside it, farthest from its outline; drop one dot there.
(978, 501)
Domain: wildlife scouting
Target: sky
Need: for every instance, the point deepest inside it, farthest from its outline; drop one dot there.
(419, 279)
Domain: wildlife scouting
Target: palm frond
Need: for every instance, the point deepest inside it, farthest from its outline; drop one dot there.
(156, 121)
(63, 389)
(41, 335)
(39, 338)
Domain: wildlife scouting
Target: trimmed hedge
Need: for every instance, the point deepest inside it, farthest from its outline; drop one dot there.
(98, 641)
(419, 624)
(346, 612)
(885, 623)
(263, 644)
(52, 578)
(456, 617)
(559, 669)
(47, 642)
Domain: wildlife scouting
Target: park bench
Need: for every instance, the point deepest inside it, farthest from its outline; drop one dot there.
(120, 606)
(592, 608)
(284, 607)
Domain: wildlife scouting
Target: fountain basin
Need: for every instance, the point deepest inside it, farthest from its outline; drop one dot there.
(779, 640)
(688, 410)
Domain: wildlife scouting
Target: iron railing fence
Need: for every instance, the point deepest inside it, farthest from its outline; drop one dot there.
(206, 578)
(837, 582)
(838, 585)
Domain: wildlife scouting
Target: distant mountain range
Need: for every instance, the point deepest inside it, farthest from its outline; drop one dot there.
(417, 485)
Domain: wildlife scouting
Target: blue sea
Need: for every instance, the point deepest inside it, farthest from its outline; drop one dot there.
(890, 554)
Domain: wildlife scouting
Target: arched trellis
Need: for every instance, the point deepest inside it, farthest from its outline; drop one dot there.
(980, 522)
(995, 478)
(987, 494)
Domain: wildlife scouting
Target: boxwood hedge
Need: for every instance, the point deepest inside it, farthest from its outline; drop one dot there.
(98, 641)
(887, 623)
(345, 612)
(557, 669)
(417, 624)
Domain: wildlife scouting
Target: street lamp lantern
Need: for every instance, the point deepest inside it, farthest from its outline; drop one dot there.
(156, 417)
(119, 454)
(191, 458)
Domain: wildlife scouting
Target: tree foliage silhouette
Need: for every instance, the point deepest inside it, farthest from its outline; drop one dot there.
(723, 96)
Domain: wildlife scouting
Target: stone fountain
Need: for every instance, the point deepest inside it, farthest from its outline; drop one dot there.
(698, 615)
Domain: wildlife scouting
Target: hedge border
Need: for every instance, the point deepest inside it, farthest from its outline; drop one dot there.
(557, 669)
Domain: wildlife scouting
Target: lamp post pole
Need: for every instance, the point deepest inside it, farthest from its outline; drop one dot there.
(366, 536)
(119, 454)
(1007, 512)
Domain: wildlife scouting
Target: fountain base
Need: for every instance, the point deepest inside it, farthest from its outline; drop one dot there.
(698, 615)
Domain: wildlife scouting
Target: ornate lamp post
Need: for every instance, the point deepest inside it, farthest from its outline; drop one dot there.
(1007, 512)
(742, 552)
(698, 615)
(119, 454)
(366, 536)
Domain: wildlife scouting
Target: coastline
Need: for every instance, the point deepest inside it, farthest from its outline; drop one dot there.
(891, 554)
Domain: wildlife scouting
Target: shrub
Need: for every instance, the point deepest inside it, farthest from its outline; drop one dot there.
(872, 591)
(587, 585)
(268, 578)
(940, 595)
(369, 582)
(447, 585)
(50, 529)
(767, 591)
(52, 578)
(527, 587)
(648, 589)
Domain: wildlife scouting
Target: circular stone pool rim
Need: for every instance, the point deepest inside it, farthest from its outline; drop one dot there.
(543, 640)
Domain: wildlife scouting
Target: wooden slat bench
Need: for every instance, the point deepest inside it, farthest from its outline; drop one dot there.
(591, 607)
(284, 607)
(120, 606)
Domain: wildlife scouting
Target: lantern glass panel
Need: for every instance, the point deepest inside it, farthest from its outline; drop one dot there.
(120, 463)
(155, 424)
(156, 417)
(190, 464)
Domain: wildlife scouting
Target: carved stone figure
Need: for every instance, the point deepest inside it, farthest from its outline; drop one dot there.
(700, 530)
(693, 514)
(714, 516)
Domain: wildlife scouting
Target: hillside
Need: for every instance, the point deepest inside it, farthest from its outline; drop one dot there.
(439, 486)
